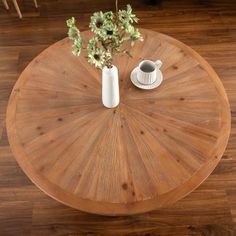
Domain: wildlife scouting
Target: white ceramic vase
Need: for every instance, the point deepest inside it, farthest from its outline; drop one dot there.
(110, 87)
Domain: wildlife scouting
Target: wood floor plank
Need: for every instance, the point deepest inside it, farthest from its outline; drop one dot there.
(208, 209)
(15, 218)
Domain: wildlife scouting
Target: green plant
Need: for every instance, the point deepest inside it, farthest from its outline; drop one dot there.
(114, 33)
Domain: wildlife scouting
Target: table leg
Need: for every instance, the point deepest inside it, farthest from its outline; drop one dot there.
(5, 4)
(17, 8)
(35, 3)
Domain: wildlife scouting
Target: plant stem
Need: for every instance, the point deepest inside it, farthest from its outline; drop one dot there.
(116, 7)
(108, 62)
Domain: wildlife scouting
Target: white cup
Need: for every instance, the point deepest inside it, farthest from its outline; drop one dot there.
(147, 71)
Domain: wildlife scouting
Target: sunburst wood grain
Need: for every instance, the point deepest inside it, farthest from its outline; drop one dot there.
(152, 150)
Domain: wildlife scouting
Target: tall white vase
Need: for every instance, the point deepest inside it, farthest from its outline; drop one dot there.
(110, 87)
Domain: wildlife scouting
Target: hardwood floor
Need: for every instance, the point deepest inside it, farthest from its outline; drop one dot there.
(209, 27)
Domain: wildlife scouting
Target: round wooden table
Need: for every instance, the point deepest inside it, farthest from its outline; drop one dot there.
(153, 149)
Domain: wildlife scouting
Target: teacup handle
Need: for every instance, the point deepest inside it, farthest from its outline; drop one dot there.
(158, 64)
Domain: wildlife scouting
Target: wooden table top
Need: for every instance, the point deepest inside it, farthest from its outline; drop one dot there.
(153, 149)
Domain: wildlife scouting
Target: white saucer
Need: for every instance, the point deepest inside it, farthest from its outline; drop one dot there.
(134, 79)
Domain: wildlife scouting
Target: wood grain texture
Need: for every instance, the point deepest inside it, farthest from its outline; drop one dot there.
(152, 150)
(209, 28)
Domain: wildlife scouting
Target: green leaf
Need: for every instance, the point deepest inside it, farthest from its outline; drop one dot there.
(111, 36)
(71, 22)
